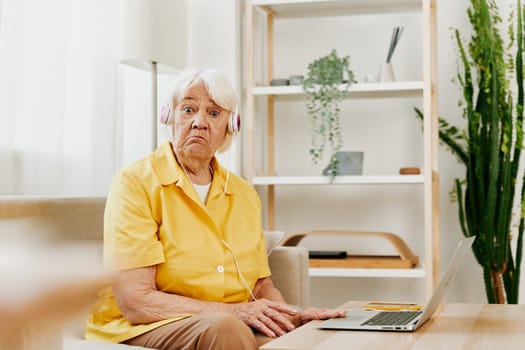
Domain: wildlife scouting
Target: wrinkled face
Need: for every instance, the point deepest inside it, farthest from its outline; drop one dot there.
(200, 125)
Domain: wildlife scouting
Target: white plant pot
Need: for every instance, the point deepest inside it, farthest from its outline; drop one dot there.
(349, 163)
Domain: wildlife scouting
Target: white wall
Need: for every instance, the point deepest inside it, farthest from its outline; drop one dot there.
(214, 41)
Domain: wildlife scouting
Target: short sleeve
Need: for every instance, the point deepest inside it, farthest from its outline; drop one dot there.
(130, 232)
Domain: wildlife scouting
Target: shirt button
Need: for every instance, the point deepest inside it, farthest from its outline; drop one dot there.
(220, 268)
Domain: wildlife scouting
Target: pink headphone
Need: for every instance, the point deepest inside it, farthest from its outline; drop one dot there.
(234, 122)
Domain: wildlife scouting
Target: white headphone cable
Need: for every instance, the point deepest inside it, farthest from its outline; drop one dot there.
(241, 277)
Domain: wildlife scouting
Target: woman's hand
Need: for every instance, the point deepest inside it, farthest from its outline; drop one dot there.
(313, 313)
(268, 317)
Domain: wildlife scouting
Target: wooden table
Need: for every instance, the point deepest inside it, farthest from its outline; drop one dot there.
(455, 326)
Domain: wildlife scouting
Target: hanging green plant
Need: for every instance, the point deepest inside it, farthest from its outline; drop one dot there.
(325, 84)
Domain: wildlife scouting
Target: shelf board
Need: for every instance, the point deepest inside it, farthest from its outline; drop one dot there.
(400, 87)
(293, 8)
(381, 273)
(339, 180)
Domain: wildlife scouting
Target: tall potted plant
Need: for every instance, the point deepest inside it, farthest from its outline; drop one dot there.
(491, 79)
(325, 84)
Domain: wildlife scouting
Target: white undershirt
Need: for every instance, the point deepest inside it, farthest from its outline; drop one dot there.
(202, 190)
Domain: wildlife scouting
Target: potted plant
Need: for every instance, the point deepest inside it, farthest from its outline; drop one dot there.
(490, 146)
(325, 84)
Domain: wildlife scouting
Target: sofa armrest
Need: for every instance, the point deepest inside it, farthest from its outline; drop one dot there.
(289, 266)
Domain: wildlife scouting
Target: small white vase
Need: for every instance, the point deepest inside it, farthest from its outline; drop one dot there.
(386, 73)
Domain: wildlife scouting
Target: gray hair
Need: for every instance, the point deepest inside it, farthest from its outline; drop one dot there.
(218, 86)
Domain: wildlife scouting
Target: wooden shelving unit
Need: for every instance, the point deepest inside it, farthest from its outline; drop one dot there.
(426, 89)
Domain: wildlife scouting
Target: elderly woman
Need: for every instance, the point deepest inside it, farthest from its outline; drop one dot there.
(185, 238)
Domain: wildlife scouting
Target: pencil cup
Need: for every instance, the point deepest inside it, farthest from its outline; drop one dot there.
(386, 73)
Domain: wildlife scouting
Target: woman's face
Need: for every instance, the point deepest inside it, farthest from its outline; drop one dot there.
(200, 125)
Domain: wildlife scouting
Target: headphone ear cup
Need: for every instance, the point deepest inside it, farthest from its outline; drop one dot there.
(234, 123)
(165, 114)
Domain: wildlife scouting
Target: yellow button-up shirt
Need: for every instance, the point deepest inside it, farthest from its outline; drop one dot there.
(154, 216)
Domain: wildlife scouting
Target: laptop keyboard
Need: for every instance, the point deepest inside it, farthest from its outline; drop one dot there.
(389, 318)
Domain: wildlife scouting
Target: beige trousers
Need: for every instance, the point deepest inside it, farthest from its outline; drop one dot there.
(215, 331)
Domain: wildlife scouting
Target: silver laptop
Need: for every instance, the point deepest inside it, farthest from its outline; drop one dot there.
(401, 321)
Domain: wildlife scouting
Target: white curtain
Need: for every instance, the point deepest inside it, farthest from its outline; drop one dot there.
(58, 97)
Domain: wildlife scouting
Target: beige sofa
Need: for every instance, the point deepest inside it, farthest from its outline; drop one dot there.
(60, 239)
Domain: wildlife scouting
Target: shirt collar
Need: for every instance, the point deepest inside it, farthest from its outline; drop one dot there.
(170, 172)
(165, 166)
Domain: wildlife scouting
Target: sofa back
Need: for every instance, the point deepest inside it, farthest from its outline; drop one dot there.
(52, 219)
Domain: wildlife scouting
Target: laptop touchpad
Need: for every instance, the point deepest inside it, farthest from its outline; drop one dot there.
(360, 315)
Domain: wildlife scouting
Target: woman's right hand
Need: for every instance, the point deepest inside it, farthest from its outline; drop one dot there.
(268, 317)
